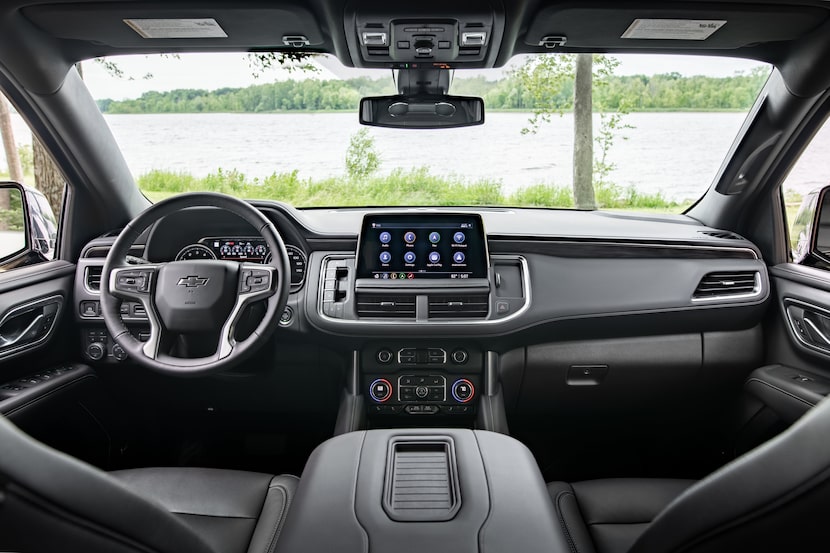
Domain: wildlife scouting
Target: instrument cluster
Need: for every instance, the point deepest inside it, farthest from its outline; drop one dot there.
(252, 249)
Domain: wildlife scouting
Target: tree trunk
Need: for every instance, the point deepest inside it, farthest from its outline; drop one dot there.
(12, 157)
(48, 178)
(583, 133)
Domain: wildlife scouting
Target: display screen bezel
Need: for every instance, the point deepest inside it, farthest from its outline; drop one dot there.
(365, 271)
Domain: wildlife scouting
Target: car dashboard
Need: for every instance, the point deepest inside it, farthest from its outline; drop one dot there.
(546, 307)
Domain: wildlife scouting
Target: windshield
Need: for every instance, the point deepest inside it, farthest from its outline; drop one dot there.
(255, 128)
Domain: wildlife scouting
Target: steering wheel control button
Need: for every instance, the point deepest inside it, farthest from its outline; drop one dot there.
(380, 390)
(463, 390)
(385, 356)
(259, 280)
(460, 356)
(133, 281)
(434, 237)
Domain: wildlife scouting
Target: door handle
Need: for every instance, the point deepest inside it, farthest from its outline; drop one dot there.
(810, 324)
(28, 325)
(20, 337)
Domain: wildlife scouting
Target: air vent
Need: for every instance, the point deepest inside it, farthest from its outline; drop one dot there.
(93, 277)
(727, 285)
(721, 234)
(456, 307)
(375, 305)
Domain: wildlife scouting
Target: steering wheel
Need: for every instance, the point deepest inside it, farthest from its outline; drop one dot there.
(194, 297)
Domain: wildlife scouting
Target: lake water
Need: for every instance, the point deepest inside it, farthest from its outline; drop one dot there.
(676, 153)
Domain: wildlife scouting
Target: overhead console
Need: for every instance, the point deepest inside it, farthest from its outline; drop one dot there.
(428, 35)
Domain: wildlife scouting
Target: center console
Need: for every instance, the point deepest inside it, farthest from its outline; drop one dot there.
(421, 380)
(447, 490)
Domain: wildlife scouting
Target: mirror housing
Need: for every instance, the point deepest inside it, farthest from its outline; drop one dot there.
(28, 229)
(422, 111)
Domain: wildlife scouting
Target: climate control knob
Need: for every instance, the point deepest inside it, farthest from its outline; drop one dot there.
(96, 351)
(380, 390)
(463, 390)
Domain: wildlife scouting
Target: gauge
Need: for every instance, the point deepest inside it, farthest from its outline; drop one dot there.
(195, 251)
(225, 250)
(297, 263)
(260, 250)
(236, 250)
(249, 249)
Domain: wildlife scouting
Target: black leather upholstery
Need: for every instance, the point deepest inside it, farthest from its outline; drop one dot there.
(229, 509)
(52, 502)
(607, 516)
(774, 498)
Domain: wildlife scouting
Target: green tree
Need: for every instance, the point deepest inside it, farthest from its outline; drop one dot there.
(362, 158)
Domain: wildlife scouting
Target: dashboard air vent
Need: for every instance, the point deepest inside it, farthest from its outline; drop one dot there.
(726, 284)
(93, 277)
(100, 252)
(376, 305)
(721, 234)
(455, 307)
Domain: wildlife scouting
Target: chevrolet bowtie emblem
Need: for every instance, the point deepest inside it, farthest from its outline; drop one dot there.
(192, 281)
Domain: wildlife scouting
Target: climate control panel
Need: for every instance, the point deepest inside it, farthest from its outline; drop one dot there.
(421, 379)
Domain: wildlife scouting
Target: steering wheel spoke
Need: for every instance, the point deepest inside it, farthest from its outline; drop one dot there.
(256, 282)
(137, 283)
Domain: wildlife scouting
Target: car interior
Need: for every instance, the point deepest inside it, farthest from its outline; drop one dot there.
(560, 380)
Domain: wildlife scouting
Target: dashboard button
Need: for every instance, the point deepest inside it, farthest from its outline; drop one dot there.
(384, 356)
(421, 392)
(460, 356)
(463, 390)
(380, 390)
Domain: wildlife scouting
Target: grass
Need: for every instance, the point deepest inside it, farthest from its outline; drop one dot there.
(417, 187)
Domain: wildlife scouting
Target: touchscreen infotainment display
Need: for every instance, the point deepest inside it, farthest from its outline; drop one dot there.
(423, 246)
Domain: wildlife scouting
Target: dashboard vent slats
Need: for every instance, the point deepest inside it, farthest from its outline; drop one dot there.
(93, 277)
(721, 234)
(372, 305)
(726, 284)
(454, 307)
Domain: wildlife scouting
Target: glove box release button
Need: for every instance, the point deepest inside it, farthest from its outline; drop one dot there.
(586, 375)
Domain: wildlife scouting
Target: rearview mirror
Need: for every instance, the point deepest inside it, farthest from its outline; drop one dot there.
(421, 112)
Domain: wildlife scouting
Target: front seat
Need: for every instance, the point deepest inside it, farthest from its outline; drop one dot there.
(52, 502)
(774, 498)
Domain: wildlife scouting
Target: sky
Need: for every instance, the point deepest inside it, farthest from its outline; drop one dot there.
(214, 71)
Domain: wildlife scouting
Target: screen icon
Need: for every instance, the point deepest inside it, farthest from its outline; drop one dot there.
(434, 237)
(410, 276)
(459, 257)
(434, 257)
(409, 237)
(385, 237)
(385, 257)
(402, 276)
(394, 276)
(409, 257)
(459, 237)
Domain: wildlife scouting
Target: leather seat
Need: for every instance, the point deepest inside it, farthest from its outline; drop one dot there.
(774, 498)
(52, 502)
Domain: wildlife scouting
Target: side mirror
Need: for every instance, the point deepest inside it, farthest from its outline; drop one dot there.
(421, 112)
(28, 229)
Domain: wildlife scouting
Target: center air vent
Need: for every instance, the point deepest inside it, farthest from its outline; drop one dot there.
(93, 277)
(454, 307)
(376, 305)
(727, 285)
